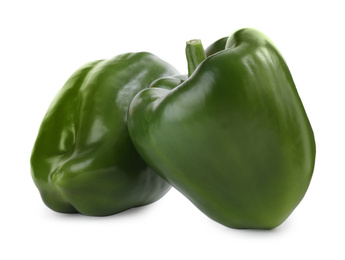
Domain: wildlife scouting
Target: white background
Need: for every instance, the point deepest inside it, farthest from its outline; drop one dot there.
(43, 42)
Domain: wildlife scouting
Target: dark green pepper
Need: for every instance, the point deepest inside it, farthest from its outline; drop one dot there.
(83, 159)
(234, 137)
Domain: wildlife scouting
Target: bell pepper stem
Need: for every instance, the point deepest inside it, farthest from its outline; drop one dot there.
(195, 54)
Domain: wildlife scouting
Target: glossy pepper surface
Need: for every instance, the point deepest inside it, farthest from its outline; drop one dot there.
(234, 137)
(83, 159)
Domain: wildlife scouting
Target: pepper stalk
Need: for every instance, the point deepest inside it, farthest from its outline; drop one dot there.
(195, 54)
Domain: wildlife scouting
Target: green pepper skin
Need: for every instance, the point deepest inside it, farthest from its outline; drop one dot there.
(234, 137)
(83, 159)
(217, 46)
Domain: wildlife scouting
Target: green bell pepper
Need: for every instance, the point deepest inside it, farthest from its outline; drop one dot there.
(234, 137)
(83, 159)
